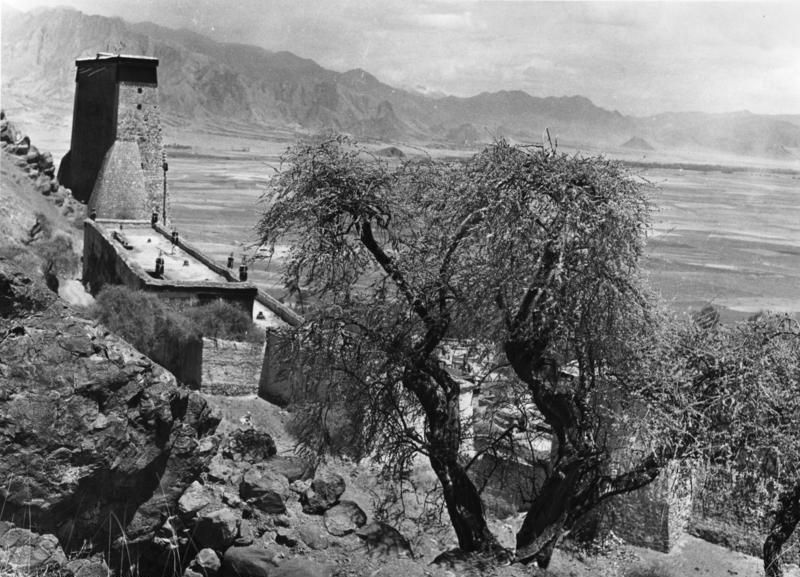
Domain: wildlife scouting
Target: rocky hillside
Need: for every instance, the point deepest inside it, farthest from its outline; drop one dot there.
(234, 87)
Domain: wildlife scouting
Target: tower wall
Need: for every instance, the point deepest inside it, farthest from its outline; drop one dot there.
(116, 98)
(138, 119)
(94, 124)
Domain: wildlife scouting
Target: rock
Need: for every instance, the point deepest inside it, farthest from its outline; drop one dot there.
(382, 539)
(287, 537)
(265, 490)
(45, 161)
(300, 567)
(194, 499)
(88, 567)
(223, 470)
(323, 494)
(250, 561)
(21, 549)
(282, 521)
(246, 534)
(206, 563)
(217, 529)
(291, 467)
(59, 470)
(250, 445)
(313, 537)
(344, 518)
(32, 156)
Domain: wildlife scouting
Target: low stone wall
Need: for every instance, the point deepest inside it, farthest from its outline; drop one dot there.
(231, 367)
(657, 515)
(736, 514)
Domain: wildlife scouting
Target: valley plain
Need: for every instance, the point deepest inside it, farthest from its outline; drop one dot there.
(724, 236)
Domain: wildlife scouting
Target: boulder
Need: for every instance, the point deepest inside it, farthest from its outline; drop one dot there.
(222, 470)
(246, 534)
(194, 499)
(287, 537)
(382, 539)
(88, 567)
(91, 429)
(323, 493)
(250, 445)
(206, 563)
(22, 549)
(313, 537)
(299, 567)
(291, 467)
(264, 490)
(216, 529)
(344, 518)
(252, 561)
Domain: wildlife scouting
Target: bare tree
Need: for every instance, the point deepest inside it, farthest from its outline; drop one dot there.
(533, 253)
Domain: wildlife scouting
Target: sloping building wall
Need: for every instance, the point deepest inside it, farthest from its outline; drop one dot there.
(119, 191)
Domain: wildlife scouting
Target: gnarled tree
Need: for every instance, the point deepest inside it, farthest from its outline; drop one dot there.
(555, 263)
(380, 254)
(533, 252)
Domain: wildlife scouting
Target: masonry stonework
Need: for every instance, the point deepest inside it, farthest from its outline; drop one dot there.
(116, 99)
(231, 367)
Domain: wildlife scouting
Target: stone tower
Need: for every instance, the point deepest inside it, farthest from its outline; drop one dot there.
(116, 101)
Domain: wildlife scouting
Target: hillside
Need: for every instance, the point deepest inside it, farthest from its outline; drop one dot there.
(239, 89)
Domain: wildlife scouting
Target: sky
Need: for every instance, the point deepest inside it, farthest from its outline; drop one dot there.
(640, 58)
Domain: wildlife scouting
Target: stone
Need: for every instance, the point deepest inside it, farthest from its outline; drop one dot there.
(21, 549)
(300, 567)
(285, 536)
(250, 445)
(55, 460)
(32, 156)
(194, 499)
(291, 467)
(382, 539)
(222, 470)
(323, 493)
(313, 537)
(246, 534)
(206, 563)
(252, 561)
(88, 567)
(216, 529)
(344, 518)
(265, 490)
(282, 520)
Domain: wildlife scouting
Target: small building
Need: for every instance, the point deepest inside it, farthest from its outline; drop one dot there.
(116, 165)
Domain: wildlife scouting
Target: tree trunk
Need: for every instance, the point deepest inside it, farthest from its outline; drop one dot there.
(786, 519)
(439, 395)
(464, 507)
(548, 517)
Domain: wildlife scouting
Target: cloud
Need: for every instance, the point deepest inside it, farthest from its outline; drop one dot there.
(461, 21)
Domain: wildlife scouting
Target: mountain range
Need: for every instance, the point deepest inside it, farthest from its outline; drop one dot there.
(205, 82)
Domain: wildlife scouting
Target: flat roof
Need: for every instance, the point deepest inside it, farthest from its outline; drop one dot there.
(145, 246)
(123, 58)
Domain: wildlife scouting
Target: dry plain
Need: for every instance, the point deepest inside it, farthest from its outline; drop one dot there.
(726, 237)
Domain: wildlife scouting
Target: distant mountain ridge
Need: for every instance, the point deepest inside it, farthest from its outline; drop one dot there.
(204, 81)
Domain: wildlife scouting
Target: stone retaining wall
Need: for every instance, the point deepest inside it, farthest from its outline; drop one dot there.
(231, 367)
